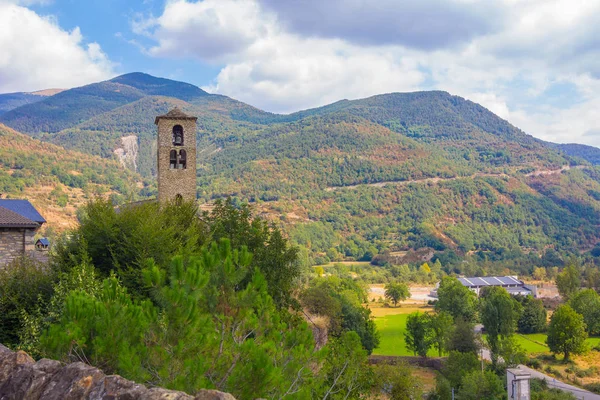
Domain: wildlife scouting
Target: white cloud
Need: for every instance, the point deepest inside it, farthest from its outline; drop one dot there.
(37, 54)
(274, 62)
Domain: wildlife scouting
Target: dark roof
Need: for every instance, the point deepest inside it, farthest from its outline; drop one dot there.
(23, 208)
(10, 219)
(43, 241)
(175, 113)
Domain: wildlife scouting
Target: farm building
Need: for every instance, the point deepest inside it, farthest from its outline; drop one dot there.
(511, 283)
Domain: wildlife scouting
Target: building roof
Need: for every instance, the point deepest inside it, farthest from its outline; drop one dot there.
(175, 113)
(490, 281)
(43, 241)
(517, 290)
(10, 219)
(24, 208)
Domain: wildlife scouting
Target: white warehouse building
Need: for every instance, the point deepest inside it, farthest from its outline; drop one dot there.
(512, 284)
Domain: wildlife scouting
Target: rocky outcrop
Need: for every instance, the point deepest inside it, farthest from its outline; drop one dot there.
(128, 154)
(23, 378)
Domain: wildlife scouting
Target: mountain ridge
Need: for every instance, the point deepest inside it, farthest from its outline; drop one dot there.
(466, 183)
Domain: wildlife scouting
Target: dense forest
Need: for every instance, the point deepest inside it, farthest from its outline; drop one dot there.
(356, 179)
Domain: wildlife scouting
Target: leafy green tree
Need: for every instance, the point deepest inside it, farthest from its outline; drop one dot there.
(499, 315)
(592, 278)
(482, 385)
(511, 352)
(442, 390)
(357, 318)
(416, 335)
(440, 326)
(340, 299)
(121, 240)
(534, 316)
(566, 332)
(80, 278)
(463, 338)
(587, 303)
(199, 331)
(568, 281)
(345, 370)
(25, 287)
(458, 365)
(272, 253)
(539, 273)
(456, 299)
(396, 292)
(397, 382)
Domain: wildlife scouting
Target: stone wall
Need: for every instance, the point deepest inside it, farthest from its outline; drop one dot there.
(172, 182)
(21, 378)
(15, 243)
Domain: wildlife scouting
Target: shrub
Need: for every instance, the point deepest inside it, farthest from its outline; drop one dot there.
(24, 286)
(593, 387)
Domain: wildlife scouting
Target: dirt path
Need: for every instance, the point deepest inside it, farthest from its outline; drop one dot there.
(541, 172)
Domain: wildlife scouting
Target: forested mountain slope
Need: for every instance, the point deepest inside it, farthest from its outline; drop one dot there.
(10, 101)
(356, 178)
(56, 180)
(588, 153)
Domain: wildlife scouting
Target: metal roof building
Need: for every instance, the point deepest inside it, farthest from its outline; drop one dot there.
(511, 283)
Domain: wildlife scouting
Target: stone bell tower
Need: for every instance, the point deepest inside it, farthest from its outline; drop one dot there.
(176, 151)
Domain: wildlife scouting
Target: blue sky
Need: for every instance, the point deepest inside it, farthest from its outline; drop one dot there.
(533, 62)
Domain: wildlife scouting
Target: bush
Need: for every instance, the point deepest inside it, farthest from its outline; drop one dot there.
(533, 363)
(593, 387)
(553, 371)
(24, 286)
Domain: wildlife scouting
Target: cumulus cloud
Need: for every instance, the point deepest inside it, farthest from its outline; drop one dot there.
(37, 53)
(209, 30)
(422, 24)
(507, 55)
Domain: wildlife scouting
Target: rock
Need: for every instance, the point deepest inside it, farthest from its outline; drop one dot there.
(213, 395)
(23, 378)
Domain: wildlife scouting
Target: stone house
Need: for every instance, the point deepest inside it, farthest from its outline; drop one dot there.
(19, 222)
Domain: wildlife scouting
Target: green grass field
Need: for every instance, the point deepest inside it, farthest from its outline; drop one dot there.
(392, 326)
(391, 329)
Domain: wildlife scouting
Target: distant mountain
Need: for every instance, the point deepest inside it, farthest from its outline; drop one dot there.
(588, 153)
(355, 178)
(10, 101)
(74, 106)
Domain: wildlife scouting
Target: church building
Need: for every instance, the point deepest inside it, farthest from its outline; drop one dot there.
(176, 152)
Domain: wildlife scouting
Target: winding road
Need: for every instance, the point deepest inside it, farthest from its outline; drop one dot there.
(543, 172)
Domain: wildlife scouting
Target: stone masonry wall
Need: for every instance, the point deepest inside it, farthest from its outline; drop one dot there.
(172, 182)
(15, 243)
(21, 378)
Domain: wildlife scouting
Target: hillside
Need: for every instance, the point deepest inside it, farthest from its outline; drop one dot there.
(589, 153)
(71, 107)
(57, 181)
(356, 178)
(10, 101)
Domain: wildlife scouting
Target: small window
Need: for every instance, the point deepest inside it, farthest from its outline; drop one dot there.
(173, 159)
(178, 199)
(177, 135)
(182, 159)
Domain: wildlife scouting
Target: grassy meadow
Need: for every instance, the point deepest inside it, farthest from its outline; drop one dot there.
(391, 323)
